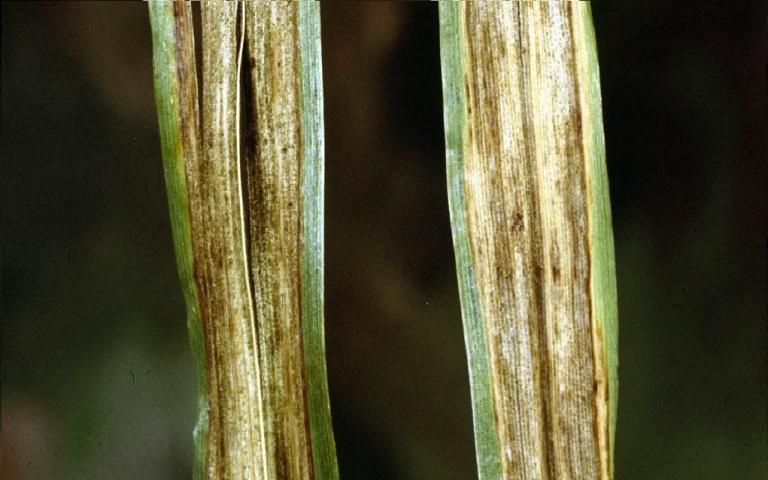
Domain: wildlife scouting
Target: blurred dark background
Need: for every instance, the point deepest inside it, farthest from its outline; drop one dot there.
(97, 378)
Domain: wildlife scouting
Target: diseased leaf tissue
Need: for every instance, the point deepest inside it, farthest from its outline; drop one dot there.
(248, 230)
(531, 225)
(529, 209)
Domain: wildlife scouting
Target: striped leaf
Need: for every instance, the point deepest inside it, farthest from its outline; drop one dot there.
(532, 235)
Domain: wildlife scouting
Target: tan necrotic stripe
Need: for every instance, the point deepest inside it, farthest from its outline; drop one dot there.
(251, 284)
(603, 307)
(236, 438)
(273, 165)
(526, 200)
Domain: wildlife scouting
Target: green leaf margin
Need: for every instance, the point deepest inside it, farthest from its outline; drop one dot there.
(166, 64)
(312, 242)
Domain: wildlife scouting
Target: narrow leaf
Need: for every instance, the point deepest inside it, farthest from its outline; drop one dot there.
(531, 224)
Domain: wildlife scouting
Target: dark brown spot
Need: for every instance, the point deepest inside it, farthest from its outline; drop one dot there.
(517, 223)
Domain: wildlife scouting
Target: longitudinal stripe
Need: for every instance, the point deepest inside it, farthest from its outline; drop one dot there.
(603, 265)
(236, 447)
(284, 166)
(273, 165)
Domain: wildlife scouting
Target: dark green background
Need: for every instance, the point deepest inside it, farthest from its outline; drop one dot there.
(96, 371)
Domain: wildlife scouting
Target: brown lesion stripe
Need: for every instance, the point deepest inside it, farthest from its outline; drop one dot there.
(273, 163)
(544, 380)
(585, 118)
(235, 448)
